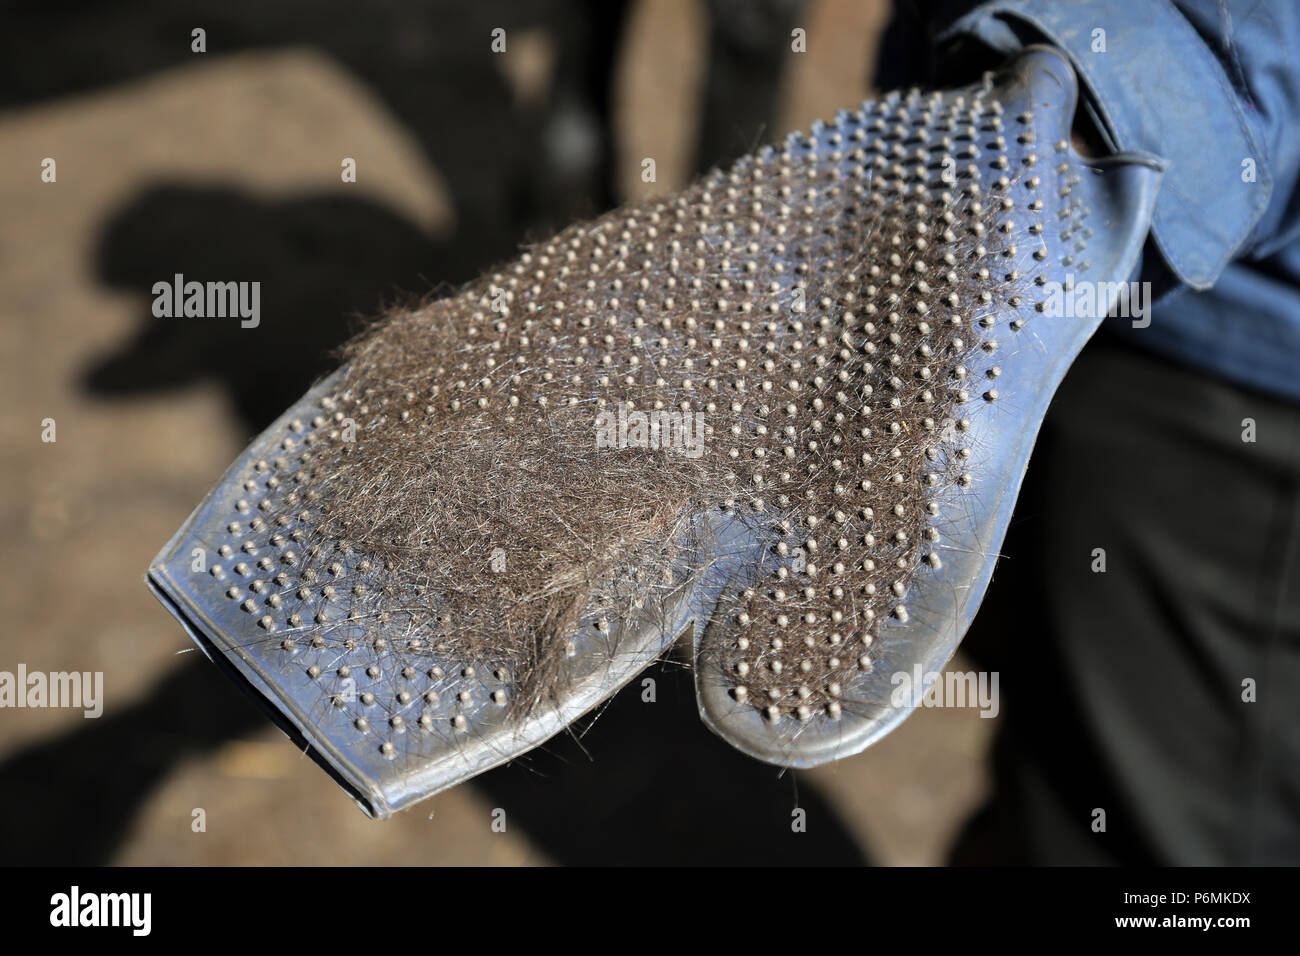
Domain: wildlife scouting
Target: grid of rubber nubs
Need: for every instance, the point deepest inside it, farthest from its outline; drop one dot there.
(830, 308)
(938, 265)
(327, 613)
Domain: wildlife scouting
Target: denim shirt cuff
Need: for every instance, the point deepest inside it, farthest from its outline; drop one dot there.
(1153, 84)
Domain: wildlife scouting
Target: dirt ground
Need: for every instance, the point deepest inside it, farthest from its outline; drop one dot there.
(227, 163)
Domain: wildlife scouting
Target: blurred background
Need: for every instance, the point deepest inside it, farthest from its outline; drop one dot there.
(226, 164)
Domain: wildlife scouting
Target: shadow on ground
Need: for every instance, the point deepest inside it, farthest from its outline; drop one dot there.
(663, 789)
(647, 784)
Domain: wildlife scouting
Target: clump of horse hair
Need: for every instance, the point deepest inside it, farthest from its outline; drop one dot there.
(457, 483)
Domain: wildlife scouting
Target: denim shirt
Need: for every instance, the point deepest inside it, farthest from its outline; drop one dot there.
(1213, 86)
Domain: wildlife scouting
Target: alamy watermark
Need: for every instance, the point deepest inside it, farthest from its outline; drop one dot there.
(208, 300)
(659, 430)
(133, 911)
(1094, 300)
(37, 689)
(917, 688)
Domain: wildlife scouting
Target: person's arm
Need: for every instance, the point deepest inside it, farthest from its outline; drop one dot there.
(1211, 85)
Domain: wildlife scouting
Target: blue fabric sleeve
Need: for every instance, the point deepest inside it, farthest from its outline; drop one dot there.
(1212, 93)
(1213, 86)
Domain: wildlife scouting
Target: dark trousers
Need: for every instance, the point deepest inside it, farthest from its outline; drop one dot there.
(1129, 691)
